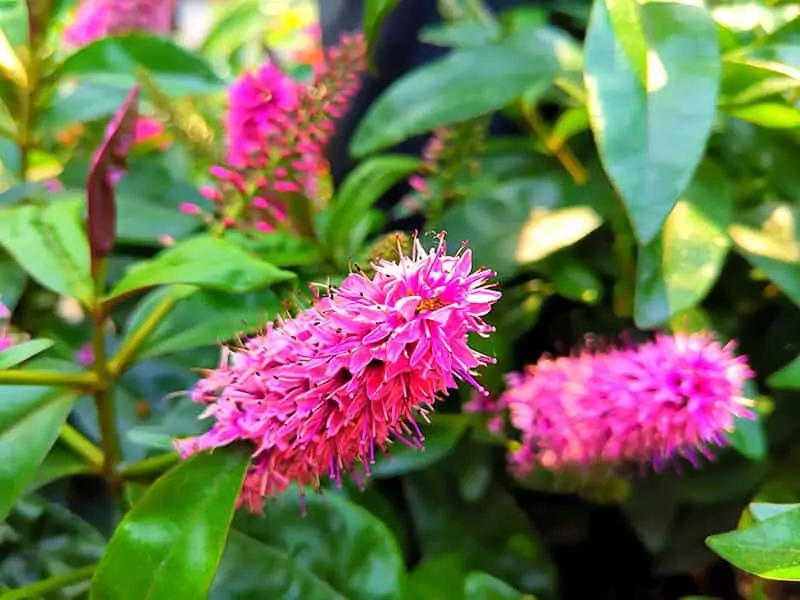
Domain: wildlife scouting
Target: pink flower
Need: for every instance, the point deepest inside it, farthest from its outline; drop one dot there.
(150, 130)
(317, 393)
(84, 356)
(7, 339)
(96, 19)
(277, 130)
(189, 208)
(258, 103)
(675, 396)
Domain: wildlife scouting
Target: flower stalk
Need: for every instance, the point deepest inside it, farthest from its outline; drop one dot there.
(51, 584)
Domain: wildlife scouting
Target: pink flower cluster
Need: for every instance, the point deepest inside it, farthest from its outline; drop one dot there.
(96, 19)
(7, 339)
(319, 392)
(674, 396)
(277, 130)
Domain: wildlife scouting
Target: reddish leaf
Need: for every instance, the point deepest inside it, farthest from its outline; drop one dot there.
(39, 12)
(108, 167)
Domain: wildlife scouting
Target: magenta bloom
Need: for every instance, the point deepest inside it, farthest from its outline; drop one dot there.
(675, 396)
(259, 105)
(7, 339)
(317, 393)
(95, 19)
(84, 355)
(276, 131)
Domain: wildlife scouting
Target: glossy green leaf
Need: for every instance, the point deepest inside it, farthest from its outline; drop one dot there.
(769, 242)
(206, 262)
(677, 269)
(49, 242)
(440, 439)
(175, 534)
(358, 193)
(768, 549)
(236, 23)
(762, 511)
(768, 114)
(546, 231)
(375, 13)
(650, 144)
(21, 352)
(787, 378)
(282, 249)
(30, 419)
(748, 81)
(336, 550)
(482, 586)
(749, 438)
(464, 84)
(202, 318)
(114, 60)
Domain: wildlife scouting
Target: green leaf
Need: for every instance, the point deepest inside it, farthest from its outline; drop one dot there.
(170, 543)
(498, 539)
(768, 240)
(237, 22)
(482, 586)
(30, 419)
(336, 550)
(86, 102)
(436, 578)
(677, 269)
(464, 84)
(786, 378)
(12, 281)
(440, 440)
(375, 13)
(502, 226)
(282, 249)
(60, 462)
(202, 318)
(768, 114)
(206, 262)
(461, 34)
(748, 81)
(573, 280)
(114, 60)
(19, 353)
(547, 231)
(650, 144)
(49, 242)
(762, 511)
(769, 549)
(358, 193)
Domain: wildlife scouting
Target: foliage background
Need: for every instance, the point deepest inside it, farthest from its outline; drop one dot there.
(651, 186)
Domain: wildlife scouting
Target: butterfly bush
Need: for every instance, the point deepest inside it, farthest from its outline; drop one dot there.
(277, 130)
(674, 396)
(323, 391)
(96, 19)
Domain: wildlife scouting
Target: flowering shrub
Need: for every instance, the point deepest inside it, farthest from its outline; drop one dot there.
(225, 375)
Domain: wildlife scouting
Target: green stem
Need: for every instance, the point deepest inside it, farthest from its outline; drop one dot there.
(103, 396)
(75, 440)
(625, 287)
(133, 344)
(51, 584)
(150, 466)
(18, 377)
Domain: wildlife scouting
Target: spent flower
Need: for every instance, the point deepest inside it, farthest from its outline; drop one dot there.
(322, 392)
